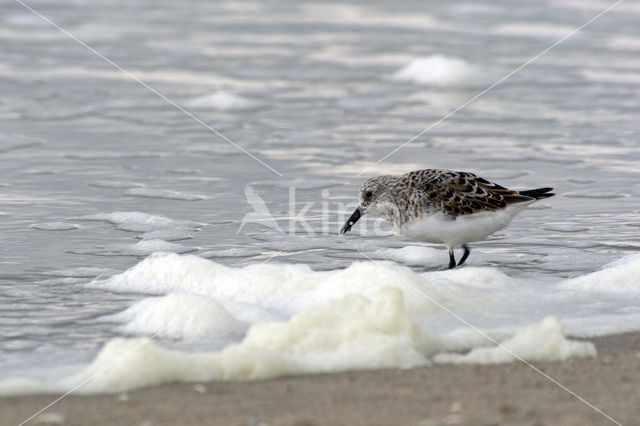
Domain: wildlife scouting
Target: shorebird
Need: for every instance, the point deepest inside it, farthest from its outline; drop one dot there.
(443, 206)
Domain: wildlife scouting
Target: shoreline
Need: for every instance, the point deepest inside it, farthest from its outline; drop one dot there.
(501, 394)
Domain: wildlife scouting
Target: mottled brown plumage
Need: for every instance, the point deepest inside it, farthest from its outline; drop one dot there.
(449, 192)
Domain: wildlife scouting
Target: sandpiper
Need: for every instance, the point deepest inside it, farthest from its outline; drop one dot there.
(443, 206)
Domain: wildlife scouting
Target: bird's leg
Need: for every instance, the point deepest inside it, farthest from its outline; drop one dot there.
(464, 255)
(452, 259)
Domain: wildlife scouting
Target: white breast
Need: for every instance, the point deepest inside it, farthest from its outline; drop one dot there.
(438, 228)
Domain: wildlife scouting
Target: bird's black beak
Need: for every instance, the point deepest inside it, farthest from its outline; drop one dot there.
(351, 221)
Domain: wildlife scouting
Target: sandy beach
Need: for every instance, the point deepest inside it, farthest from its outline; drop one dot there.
(506, 394)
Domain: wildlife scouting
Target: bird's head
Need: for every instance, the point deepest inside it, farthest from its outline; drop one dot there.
(376, 197)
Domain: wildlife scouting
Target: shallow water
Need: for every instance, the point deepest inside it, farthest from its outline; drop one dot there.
(99, 172)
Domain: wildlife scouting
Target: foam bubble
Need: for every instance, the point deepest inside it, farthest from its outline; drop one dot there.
(162, 273)
(145, 248)
(620, 277)
(286, 288)
(222, 101)
(543, 341)
(163, 193)
(140, 222)
(439, 71)
(174, 234)
(178, 316)
(54, 226)
(411, 255)
(352, 332)
(368, 315)
(602, 325)
(232, 252)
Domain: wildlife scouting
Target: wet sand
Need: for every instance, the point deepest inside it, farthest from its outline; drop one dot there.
(505, 394)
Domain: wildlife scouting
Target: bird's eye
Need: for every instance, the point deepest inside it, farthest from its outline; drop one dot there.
(368, 195)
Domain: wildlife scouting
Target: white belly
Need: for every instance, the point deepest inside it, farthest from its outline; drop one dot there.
(438, 228)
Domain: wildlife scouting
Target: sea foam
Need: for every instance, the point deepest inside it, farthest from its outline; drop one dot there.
(222, 101)
(177, 316)
(619, 277)
(439, 71)
(285, 288)
(543, 341)
(139, 222)
(350, 333)
(54, 226)
(163, 193)
(289, 319)
(156, 231)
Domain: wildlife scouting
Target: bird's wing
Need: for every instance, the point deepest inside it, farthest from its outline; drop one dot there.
(463, 193)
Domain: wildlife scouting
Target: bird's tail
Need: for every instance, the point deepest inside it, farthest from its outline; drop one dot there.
(538, 193)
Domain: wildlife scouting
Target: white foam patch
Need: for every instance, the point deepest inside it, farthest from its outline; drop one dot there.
(178, 316)
(483, 278)
(352, 332)
(543, 341)
(145, 248)
(285, 288)
(439, 71)
(174, 234)
(368, 315)
(222, 101)
(232, 252)
(163, 193)
(54, 226)
(411, 255)
(140, 222)
(619, 277)
(602, 325)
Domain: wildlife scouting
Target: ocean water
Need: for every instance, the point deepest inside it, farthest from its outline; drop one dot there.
(124, 218)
